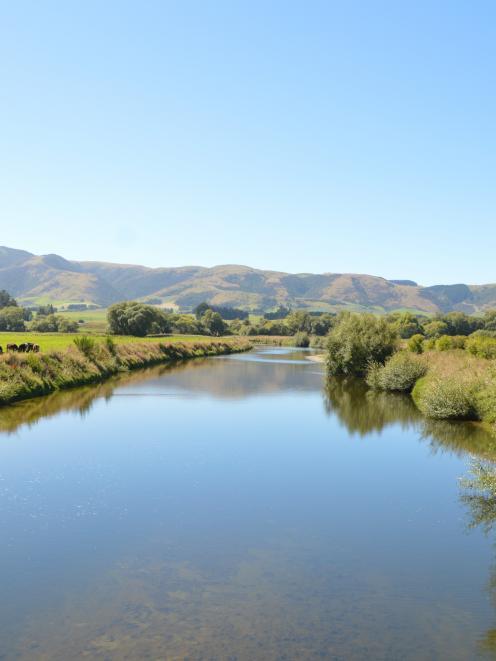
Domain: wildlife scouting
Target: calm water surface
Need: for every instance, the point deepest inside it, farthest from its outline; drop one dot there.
(240, 508)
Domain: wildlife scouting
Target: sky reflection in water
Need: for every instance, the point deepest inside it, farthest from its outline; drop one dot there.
(239, 507)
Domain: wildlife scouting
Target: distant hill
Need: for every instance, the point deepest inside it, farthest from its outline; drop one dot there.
(35, 279)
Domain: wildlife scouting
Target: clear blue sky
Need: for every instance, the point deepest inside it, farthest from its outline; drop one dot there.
(300, 136)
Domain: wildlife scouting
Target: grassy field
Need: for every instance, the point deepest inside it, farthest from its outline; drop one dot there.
(58, 341)
(94, 321)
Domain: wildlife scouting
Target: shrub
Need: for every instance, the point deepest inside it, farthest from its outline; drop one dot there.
(302, 340)
(400, 373)
(357, 340)
(443, 343)
(85, 344)
(318, 342)
(448, 397)
(416, 343)
(53, 323)
(481, 346)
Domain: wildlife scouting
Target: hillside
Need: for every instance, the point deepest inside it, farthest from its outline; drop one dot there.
(37, 279)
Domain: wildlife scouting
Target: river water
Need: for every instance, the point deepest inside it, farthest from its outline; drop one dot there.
(240, 507)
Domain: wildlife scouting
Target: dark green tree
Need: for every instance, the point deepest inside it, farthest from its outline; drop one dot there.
(138, 319)
(6, 300)
(213, 323)
(12, 319)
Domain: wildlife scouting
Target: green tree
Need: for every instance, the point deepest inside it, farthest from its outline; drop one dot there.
(6, 300)
(357, 340)
(489, 320)
(322, 324)
(213, 323)
(44, 310)
(460, 323)
(406, 324)
(200, 309)
(436, 328)
(299, 321)
(12, 319)
(138, 319)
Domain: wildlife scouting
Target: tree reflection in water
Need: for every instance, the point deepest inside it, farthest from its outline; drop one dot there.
(479, 495)
(363, 411)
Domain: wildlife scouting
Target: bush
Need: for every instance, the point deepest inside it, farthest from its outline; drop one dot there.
(416, 343)
(448, 397)
(481, 346)
(85, 344)
(400, 373)
(302, 340)
(54, 324)
(485, 402)
(443, 343)
(357, 340)
(448, 342)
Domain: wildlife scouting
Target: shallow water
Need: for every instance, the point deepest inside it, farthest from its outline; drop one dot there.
(239, 508)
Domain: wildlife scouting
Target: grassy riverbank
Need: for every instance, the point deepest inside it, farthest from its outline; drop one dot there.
(30, 375)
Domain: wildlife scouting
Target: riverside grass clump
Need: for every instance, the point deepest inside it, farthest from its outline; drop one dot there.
(457, 386)
(399, 373)
(28, 375)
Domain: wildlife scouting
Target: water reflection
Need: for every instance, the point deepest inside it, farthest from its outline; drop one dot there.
(479, 496)
(363, 411)
(223, 508)
(268, 371)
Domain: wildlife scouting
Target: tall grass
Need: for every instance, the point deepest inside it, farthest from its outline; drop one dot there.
(399, 373)
(28, 375)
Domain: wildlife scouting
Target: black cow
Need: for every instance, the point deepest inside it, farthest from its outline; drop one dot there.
(12, 347)
(1, 350)
(22, 348)
(36, 348)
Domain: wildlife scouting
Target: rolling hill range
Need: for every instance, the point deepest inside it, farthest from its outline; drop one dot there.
(35, 279)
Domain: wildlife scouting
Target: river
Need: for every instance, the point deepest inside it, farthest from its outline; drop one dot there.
(240, 507)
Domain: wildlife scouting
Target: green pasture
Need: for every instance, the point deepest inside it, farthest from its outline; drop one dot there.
(94, 321)
(58, 341)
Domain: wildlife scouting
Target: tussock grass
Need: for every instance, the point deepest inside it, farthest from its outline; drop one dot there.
(399, 374)
(29, 375)
(457, 385)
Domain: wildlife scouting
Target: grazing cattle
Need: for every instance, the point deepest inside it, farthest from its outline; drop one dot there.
(22, 348)
(1, 350)
(36, 348)
(12, 347)
(29, 346)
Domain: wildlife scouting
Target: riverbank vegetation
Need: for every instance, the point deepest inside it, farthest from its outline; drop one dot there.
(449, 376)
(90, 361)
